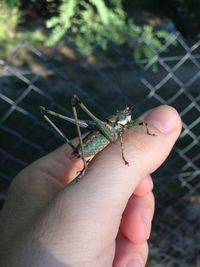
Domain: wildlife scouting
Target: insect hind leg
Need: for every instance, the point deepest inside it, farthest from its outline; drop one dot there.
(73, 101)
(44, 112)
(81, 173)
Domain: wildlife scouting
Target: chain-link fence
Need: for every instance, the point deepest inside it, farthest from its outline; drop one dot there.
(31, 79)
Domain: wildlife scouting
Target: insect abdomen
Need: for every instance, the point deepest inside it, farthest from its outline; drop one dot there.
(93, 143)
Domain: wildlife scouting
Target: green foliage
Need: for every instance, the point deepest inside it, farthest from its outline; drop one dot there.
(12, 3)
(9, 19)
(88, 22)
(93, 22)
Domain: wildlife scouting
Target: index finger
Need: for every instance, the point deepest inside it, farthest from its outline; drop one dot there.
(61, 164)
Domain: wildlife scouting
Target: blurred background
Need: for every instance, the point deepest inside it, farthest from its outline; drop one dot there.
(141, 53)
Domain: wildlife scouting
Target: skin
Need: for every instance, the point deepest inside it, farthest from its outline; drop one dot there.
(104, 220)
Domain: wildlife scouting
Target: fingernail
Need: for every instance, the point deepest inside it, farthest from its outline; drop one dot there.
(147, 219)
(162, 118)
(134, 263)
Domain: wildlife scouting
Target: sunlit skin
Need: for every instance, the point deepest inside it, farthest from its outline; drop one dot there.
(104, 220)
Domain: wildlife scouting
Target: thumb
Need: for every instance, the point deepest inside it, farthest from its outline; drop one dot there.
(93, 207)
(109, 180)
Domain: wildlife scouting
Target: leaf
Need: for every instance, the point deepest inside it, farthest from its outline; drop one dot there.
(101, 9)
(148, 52)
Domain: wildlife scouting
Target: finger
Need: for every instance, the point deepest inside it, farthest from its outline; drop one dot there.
(129, 254)
(145, 186)
(99, 199)
(137, 218)
(35, 186)
(61, 164)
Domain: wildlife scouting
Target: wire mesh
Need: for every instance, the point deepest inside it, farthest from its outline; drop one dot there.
(30, 79)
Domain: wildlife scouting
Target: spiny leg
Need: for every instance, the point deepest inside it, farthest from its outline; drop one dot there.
(82, 123)
(43, 111)
(122, 148)
(53, 113)
(100, 125)
(80, 142)
(76, 101)
(145, 124)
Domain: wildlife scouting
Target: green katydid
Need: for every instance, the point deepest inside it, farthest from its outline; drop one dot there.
(101, 133)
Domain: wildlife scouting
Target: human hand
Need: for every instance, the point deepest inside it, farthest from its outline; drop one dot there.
(103, 220)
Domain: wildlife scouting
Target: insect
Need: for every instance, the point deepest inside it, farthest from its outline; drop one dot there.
(101, 133)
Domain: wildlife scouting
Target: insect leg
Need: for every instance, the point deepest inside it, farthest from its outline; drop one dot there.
(82, 123)
(122, 148)
(145, 124)
(76, 101)
(101, 126)
(80, 142)
(43, 111)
